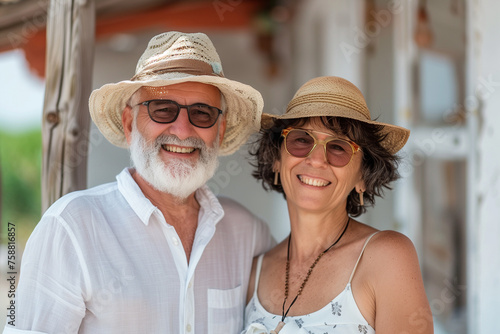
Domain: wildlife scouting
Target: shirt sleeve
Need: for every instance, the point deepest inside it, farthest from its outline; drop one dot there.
(263, 239)
(50, 297)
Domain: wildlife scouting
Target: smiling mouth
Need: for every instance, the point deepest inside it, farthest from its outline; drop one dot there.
(313, 182)
(177, 149)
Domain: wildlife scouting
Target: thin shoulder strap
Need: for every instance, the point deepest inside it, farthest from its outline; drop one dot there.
(257, 272)
(360, 255)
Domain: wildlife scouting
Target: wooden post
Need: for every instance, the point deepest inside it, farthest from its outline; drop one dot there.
(66, 120)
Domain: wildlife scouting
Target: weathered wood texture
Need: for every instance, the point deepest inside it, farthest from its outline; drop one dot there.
(21, 21)
(66, 120)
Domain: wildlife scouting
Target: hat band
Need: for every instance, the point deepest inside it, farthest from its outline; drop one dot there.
(331, 98)
(188, 66)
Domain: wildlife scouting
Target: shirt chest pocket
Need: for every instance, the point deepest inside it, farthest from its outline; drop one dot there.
(225, 310)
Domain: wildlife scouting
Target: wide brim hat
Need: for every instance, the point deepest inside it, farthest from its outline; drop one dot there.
(171, 58)
(337, 97)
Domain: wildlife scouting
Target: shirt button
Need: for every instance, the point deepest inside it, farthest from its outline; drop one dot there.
(190, 285)
(188, 327)
(175, 241)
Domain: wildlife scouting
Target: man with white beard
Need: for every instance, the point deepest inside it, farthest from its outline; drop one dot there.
(155, 251)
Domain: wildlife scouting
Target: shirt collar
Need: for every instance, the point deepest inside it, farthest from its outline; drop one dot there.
(210, 208)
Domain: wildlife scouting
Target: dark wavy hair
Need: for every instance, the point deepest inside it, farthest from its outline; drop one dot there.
(379, 167)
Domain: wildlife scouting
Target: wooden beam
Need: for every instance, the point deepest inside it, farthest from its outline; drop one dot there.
(66, 120)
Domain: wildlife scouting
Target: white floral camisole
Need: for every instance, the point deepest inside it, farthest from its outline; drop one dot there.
(340, 316)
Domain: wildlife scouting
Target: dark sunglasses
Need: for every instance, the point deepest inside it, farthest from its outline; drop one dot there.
(300, 143)
(167, 111)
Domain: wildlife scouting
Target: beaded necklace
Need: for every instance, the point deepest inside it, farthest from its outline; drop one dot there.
(284, 314)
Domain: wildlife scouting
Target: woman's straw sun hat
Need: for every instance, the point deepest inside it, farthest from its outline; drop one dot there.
(175, 57)
(334, 96)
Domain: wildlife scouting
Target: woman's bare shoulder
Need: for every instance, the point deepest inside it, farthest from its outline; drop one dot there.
(391, 263)
(390, 252)
(391, 245)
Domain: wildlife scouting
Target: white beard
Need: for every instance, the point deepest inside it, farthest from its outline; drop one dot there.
(177, 177)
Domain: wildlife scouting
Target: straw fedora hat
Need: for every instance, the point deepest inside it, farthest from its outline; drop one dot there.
(175, 57)
(334, 96)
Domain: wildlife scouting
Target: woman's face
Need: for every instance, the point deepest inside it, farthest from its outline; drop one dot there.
(311, 183)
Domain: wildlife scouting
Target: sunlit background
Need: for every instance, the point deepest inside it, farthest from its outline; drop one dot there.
(21, 106)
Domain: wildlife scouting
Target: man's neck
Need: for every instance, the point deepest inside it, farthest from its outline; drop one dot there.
(182, 214)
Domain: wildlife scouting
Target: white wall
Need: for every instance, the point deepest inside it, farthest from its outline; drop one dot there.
(327, 41)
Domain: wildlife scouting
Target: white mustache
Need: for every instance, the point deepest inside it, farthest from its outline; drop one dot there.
(174, 140)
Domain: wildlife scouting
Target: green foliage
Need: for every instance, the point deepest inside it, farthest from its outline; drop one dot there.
(20, 167)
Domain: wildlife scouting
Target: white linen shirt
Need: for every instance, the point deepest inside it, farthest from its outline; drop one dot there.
(104, 260)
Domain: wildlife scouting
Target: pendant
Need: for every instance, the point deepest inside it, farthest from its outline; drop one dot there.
(278, 328)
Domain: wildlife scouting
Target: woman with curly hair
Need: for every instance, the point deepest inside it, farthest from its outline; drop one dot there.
(333, 274)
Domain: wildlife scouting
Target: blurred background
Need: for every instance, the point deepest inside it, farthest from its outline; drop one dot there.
(430, 66)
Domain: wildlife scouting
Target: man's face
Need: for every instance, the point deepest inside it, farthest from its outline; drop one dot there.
(178, 157)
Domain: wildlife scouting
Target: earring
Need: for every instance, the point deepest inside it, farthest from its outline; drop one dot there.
(361, 201)
(276, 178)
